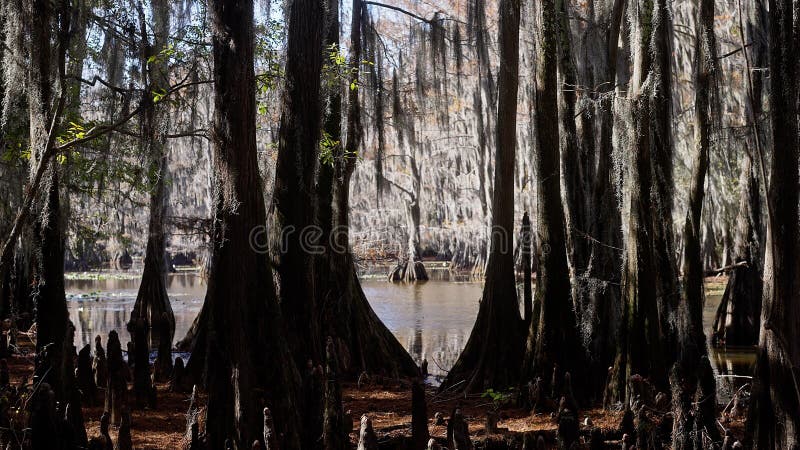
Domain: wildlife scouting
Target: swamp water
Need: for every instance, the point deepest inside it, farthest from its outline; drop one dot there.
(431, 320)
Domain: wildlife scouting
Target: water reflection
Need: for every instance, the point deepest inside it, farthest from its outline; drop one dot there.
(97, 306)
(432, 320)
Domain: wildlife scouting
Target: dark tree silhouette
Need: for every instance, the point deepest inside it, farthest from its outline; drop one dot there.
(240, 344)
(492, 353)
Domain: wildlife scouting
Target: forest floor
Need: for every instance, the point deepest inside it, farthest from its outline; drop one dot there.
(388, 405)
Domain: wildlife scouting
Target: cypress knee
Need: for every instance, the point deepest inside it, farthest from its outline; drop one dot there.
(419, 416)
(366, 436)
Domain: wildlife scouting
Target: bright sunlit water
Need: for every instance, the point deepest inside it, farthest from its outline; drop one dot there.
(431, 320)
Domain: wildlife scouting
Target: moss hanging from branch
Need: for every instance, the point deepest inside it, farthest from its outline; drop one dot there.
(397, 109)
(370, 41)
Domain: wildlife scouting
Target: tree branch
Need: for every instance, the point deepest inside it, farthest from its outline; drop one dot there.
(105, 83)
(727, 268)
(50, 151)
(399, 9)
(30, 194)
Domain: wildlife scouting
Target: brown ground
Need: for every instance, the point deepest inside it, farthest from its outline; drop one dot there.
(390, 411)
(388, 406)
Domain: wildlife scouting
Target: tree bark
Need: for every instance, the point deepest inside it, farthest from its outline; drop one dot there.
(241, 347)
(53, 362)
(598, 302)
(690, 318)
(294, 195)
(660, 75)
(552, 337)
(572, 160)
(642, 333)
(527, 293)
(492, 353)
(775, 412)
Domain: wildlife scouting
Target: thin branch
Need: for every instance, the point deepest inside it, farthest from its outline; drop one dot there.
(105, 83)
(727, 268)
(93, 133)
(399, 9)
(733, 52)
(30, 194)
(51, 150)
(405, 191)
(203, 134)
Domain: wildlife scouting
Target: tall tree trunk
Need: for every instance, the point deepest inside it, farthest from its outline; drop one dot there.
(363, 343)
(553, 343)
(641, 339)
(6, 172)
(738, 317)
(775, 412)
(241, 346)
(691, 338)
(152, 302)
(492, 353)
(690, 319)
(484, 104)
(660, 75)
(293, 199)
(52, 318)
(573, 161)
(599, 296)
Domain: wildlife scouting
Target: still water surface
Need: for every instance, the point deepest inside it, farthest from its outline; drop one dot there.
(432, 320)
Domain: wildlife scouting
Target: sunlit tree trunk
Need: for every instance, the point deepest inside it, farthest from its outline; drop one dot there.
(642, 335)
(6, 217)
(552, 337)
